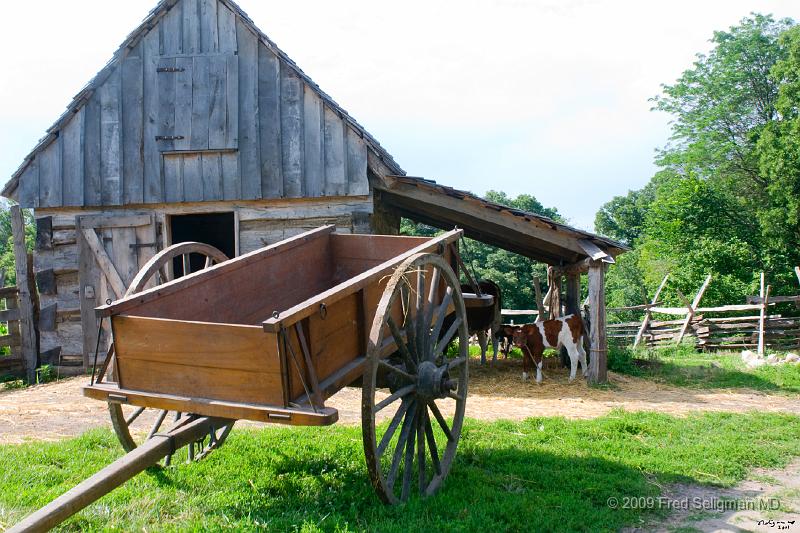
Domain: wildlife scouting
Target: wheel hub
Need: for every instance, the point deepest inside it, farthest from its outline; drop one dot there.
(433, 381)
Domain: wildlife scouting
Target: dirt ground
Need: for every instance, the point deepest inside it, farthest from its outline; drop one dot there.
(58, 410)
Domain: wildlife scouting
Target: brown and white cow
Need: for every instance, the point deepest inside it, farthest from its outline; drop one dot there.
(566, 331)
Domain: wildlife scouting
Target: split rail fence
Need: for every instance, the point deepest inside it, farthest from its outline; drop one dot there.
(753, 331)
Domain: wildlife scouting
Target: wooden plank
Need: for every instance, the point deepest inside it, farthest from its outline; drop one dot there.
(173, 178)
(26, 300)
(357, 183)
(226, 23)
(132, 130)
(537, 291)
(692, 309)
(104, 262)
(170, 36)
(183, 103)
(191, 27)
(92, 182)
(47, 318)
(124, 253)
(231, 410)
(773, 299)
(269, 90)
(209, 36)
(764, 294)
(218, 102)
(595, 252)
(212, 177)
(46, 281)
(313, 123)
(192, 178)
(110, 137)
(72, 160)
(50, 185)
(44, 233)
(214, 361)
(201, 103)
(127, 305)
(597, 334)
(29, 186)
(797, 272)
(152, 112)
(9, 315)
(118, 221)
(335, 158)
(89, 294)
(292, 146)
(231, 182)
(249, 143)
(232, 99)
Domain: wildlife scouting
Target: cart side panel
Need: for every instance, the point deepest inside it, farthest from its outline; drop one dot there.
(249, 293)
(201, 360)
(354, 254)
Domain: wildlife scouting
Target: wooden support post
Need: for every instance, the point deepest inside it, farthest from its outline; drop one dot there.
(598, 356)
(648, 314)
(27, 312)
(692, 309)
(537, 292)
(762, 315)
(572, 301)
(797, 271)
(554, 293)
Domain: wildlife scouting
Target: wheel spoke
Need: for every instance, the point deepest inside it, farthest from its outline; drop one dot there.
(421, 452)
(440, 346)
(456, 362)
(401, 345)
(400, 447)
(134, 416)
(437, 467)
(408, 464)
(209, 262)
(439, 418)
(408, 389)
(398, 416)
(441, 312)
(157, 424)
(392, 368)
(453, 395)
(420, 315)
(428, 317)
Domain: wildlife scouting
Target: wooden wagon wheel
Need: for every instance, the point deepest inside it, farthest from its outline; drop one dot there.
(414, 322)
(155, 272)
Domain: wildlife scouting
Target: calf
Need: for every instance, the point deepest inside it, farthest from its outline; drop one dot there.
(566, 331)
(504, 338)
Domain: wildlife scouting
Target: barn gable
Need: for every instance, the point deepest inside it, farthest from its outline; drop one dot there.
(197, 105)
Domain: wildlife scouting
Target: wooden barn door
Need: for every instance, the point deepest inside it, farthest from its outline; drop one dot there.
(112, 250)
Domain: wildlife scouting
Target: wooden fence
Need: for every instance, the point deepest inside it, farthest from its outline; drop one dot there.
(712, 334)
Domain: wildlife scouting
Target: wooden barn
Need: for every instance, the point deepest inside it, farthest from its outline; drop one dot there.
(201, 129)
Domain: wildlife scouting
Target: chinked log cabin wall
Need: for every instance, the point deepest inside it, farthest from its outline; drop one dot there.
(74, 277)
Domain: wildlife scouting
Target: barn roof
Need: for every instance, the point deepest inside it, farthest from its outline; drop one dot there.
(535, 236)
(133, 39)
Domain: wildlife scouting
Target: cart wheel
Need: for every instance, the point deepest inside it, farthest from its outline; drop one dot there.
(420, 312)
(133, 425)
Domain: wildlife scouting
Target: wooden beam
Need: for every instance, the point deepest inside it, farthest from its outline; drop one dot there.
(537, 292)
(648, 312)
(762, 314)
(104, 262)
(27, 309)
(692, 309)
(598, 357)
(594, 252)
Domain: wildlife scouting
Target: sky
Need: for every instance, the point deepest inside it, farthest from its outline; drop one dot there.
(542, 97)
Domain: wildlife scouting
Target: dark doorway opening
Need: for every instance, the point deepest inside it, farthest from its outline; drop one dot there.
(216, 229)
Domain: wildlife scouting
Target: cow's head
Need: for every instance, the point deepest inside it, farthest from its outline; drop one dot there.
(520, 336)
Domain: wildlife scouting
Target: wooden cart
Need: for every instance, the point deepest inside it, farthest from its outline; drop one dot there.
(271, 335)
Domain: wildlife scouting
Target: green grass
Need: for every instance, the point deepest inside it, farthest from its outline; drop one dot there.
(683, 366)
(542, 474)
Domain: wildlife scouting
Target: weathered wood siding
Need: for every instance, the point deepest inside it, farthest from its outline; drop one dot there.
(198, 109)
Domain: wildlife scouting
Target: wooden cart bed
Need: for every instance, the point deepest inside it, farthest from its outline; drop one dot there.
(215, 343)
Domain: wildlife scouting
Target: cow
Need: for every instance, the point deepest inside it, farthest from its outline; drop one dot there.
(566, 331)
(485, 322)
(504, 338)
